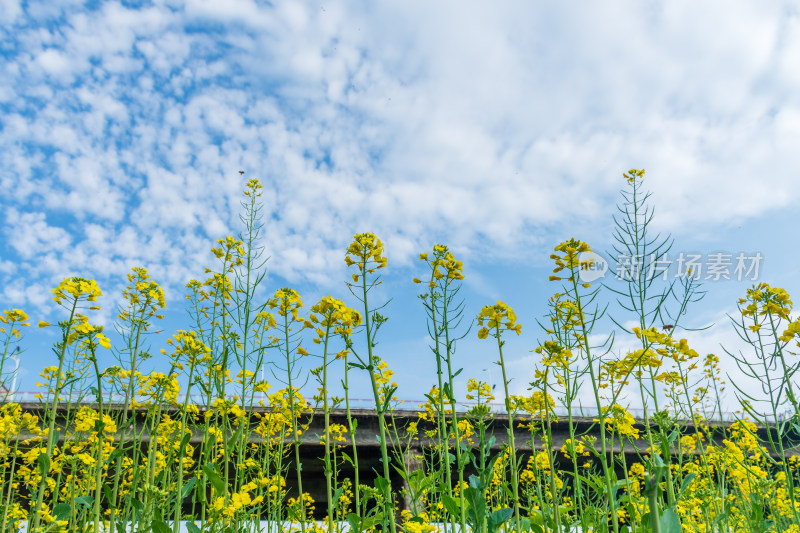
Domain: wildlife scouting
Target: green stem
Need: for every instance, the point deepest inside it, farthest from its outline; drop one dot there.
(511, 415)
(388, 499)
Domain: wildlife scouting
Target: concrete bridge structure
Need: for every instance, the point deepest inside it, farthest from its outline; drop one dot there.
(369, 454)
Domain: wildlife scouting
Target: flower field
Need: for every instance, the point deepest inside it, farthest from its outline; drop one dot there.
(211, 443)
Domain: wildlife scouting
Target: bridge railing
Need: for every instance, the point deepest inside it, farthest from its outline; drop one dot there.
(112, 398)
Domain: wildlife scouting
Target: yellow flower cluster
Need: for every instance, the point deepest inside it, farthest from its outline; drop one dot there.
(83, 330)
(764, 300)
(620, 420)
(13, 421)
(225, 407)
(620, 370)
(230, 250)
(465, 432)
(253, 188)
(329, 313)
(568, 257)
(338, 434)
(86, 421)
(567, 315)
(190, 348)
(633, 174)
(572, 449)
(160, 387)
(78, 288)
(366, 251)
(383, 374)
(444, 266)
(287, 302)
(660, 346)
(538, 404)
(497, 319)
(553, 354)
(479, 391)
(144, 296)
(791, 331)
(420, 525)
(430, 407)
(14, 318)
(228, 507)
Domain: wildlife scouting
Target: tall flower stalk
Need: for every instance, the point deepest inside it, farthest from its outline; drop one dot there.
(73, 294)
(494, 320)
(10, 322)
(287, 303)
(366, 254)
(330, 317)
(571, 257)
(445, 312)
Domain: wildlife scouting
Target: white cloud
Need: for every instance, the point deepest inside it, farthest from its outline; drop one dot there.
(11, 9)
(485, 127)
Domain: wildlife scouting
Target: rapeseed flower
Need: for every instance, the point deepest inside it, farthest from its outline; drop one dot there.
(78, 288)
(496, 319)
(366, 251)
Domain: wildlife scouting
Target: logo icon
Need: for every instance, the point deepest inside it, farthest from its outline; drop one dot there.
(593, 266)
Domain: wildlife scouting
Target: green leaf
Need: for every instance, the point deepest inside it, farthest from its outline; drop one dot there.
(757, 511)
(474, 481)
(61, 511)
(451, 505)
(232, 440)
(593, 482)
(192, 527)
(446, 392)
(158, 525)
(382, 484)
(337, 495)
(477, 503)
(186, 489)
(669, 521)
(107, 494)
(85, 500)
(499, 517)
(686, 481)
(536, 517)
(402, 472)
(136, 504)
(214, 478)
(389, 396)
(354, 521)
(185, 440)
(116, 453)
(43, 463)
(366, 523)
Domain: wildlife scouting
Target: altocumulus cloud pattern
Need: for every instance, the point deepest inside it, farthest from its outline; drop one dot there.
(123, 127)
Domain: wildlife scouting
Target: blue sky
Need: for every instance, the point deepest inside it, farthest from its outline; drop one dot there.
(499, 130)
